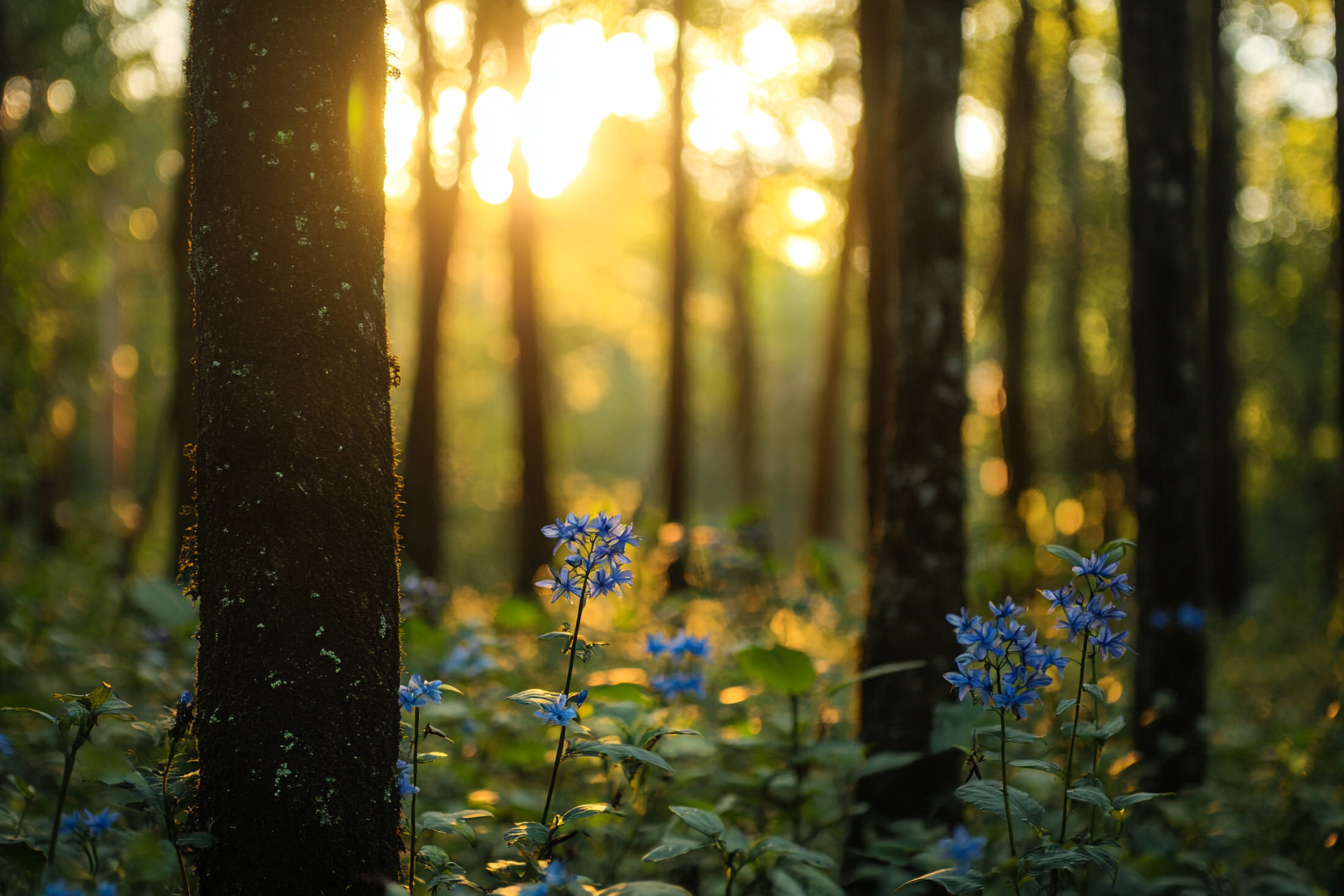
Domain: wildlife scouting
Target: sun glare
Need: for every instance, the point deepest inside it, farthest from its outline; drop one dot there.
(807, 205)
(769, 50)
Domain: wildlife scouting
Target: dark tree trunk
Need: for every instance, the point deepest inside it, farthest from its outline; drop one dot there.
(1015, 246)
(918, 568)
(534, 549)
(296, 492)
(675, 472)
(1338, 249)
(1225, 544)
(743, 348)
(423, 497)
(821, 516)
(182, 407)
(1167, 332)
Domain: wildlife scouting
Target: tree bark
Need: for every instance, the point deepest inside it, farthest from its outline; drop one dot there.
(918, 567)
(297, 569)
(675, 473)
(1225, 544)
(743, 348)
(182, 407)
(534, 549)
(423, 498)
(821, 517)
(1167, 333)
(1015, 248)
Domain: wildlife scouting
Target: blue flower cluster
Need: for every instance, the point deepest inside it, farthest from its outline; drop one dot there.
(681, 649)
(963, 849)
(61, 888)
(418, 693)
(468, 659)
(555, 877)
(596, 561)
(404, 784)
(562, 709)
(85, 823)
(1004, 667)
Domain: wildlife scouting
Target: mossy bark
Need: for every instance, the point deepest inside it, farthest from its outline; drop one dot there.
(296, 544)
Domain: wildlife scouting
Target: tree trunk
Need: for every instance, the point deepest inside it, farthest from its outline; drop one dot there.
(1225, 544)
(918, 568)
(296, 567)
(678, 377)
(182, 407)
(1167, 334)
(1015, 246)
(821, 516)
(743, 348)
(534, 549)
(423, 497)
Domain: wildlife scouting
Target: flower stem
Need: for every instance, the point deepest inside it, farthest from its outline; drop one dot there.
(80, 737)
(1073, 737)
(1007, 807)
(415, 773)
(569, 677)
(170, 820)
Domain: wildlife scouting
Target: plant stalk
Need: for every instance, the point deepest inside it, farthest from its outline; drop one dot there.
(415, 774)
(1073, 737)
(171, 821)
(569, 677)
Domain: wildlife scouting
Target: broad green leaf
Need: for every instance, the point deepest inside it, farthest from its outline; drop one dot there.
(784, 885)
(735, 841)
(954, 883)
(508, 869)
(1053, 858)
(706, 823)
(788, 848)
(37, 712)
(1111, 728)
(1096, 692)
(617, 752)
(1129, 799)
(1015, 736)
(988, 795)
(1072, 557)
(1040, 765)
(588, 810)
(816, 881)
(1117, 546)
(527, 831)
(534, 697)
(453, 822)
(1092, 794)
(887, 761)
(23, 787)
(649, 738)
(672, 847)
(430, 757)
(1065, 706)
(22, 855)
(1100, 857)
(195, 840)
(781, 669)
(644, 888)
(449, 687)
(877, 672)
(435, 857)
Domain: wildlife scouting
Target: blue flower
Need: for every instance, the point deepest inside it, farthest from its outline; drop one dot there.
(1190, 617)
(60, 888)
(670, 686)
(603, 582)
(962, 622)
(101, 823)
(1104, 610)
(1060, 598)
(1016, 635)
(557, 712)
(963, 849)
(1119, 586)
(1100, 567)
(468, 659)
(568, 531)
(983, 641)
(1007, 610)
(656, 644)
(684, 645)
(565, 584)
(1076, 621)
(1110, 646)
(6, 748)
(1053, 656)
(71, 823)
(961, 679)
(1017, 700)
(622, 539)
(555, 877)
(404, 784)
(426, 689)
(605, 526)
(106, 888)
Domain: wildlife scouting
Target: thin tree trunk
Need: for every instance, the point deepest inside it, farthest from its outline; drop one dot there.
(743, 347)
(1225, 543)
(182, 407)
(297, 567)
(1167, 333)
(534, 549)
(918, 568)
(1338, 251)
(821, 518)
(675, 473)
(423, 497)
(1015, 249)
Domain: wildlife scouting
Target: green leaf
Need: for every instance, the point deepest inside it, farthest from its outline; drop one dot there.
(1098, 856)
(953, 724)
(1053, 858)
(706, 823)
(617, 752)
(988, 795)
(37, 712)
(653, 735)
(784, 885)
(23, 787)
(435, 857)
(1072, 557)
(1014, 735)
(588, 810)
(1092, 794)
(1111, 728)
(626, 692)
(1117, 545)
(788, 848)
(815, 881)
(1065, 706)
(430, 757)
(672, 847)
(195, 840)
(954, 883)
(877, 672)
(448, 687)
(1040, 765)
(781, 669)
(527, 832)
(886, 761)
(644, 888)
(1129, 799)
(555, 636)
(534, 697)
(22, 855)
(509, 869)
(1095, 691)
(453, 823)
(735, 841)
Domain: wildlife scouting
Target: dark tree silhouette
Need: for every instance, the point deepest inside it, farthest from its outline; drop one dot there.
(182, 406)
(296, 563)
(1225, 545)
(1015, 256)
(742, 345)
(676, 436)
(437, 206)
(534, 549)
(821, 515)
(1167, 333)
(918, 566)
